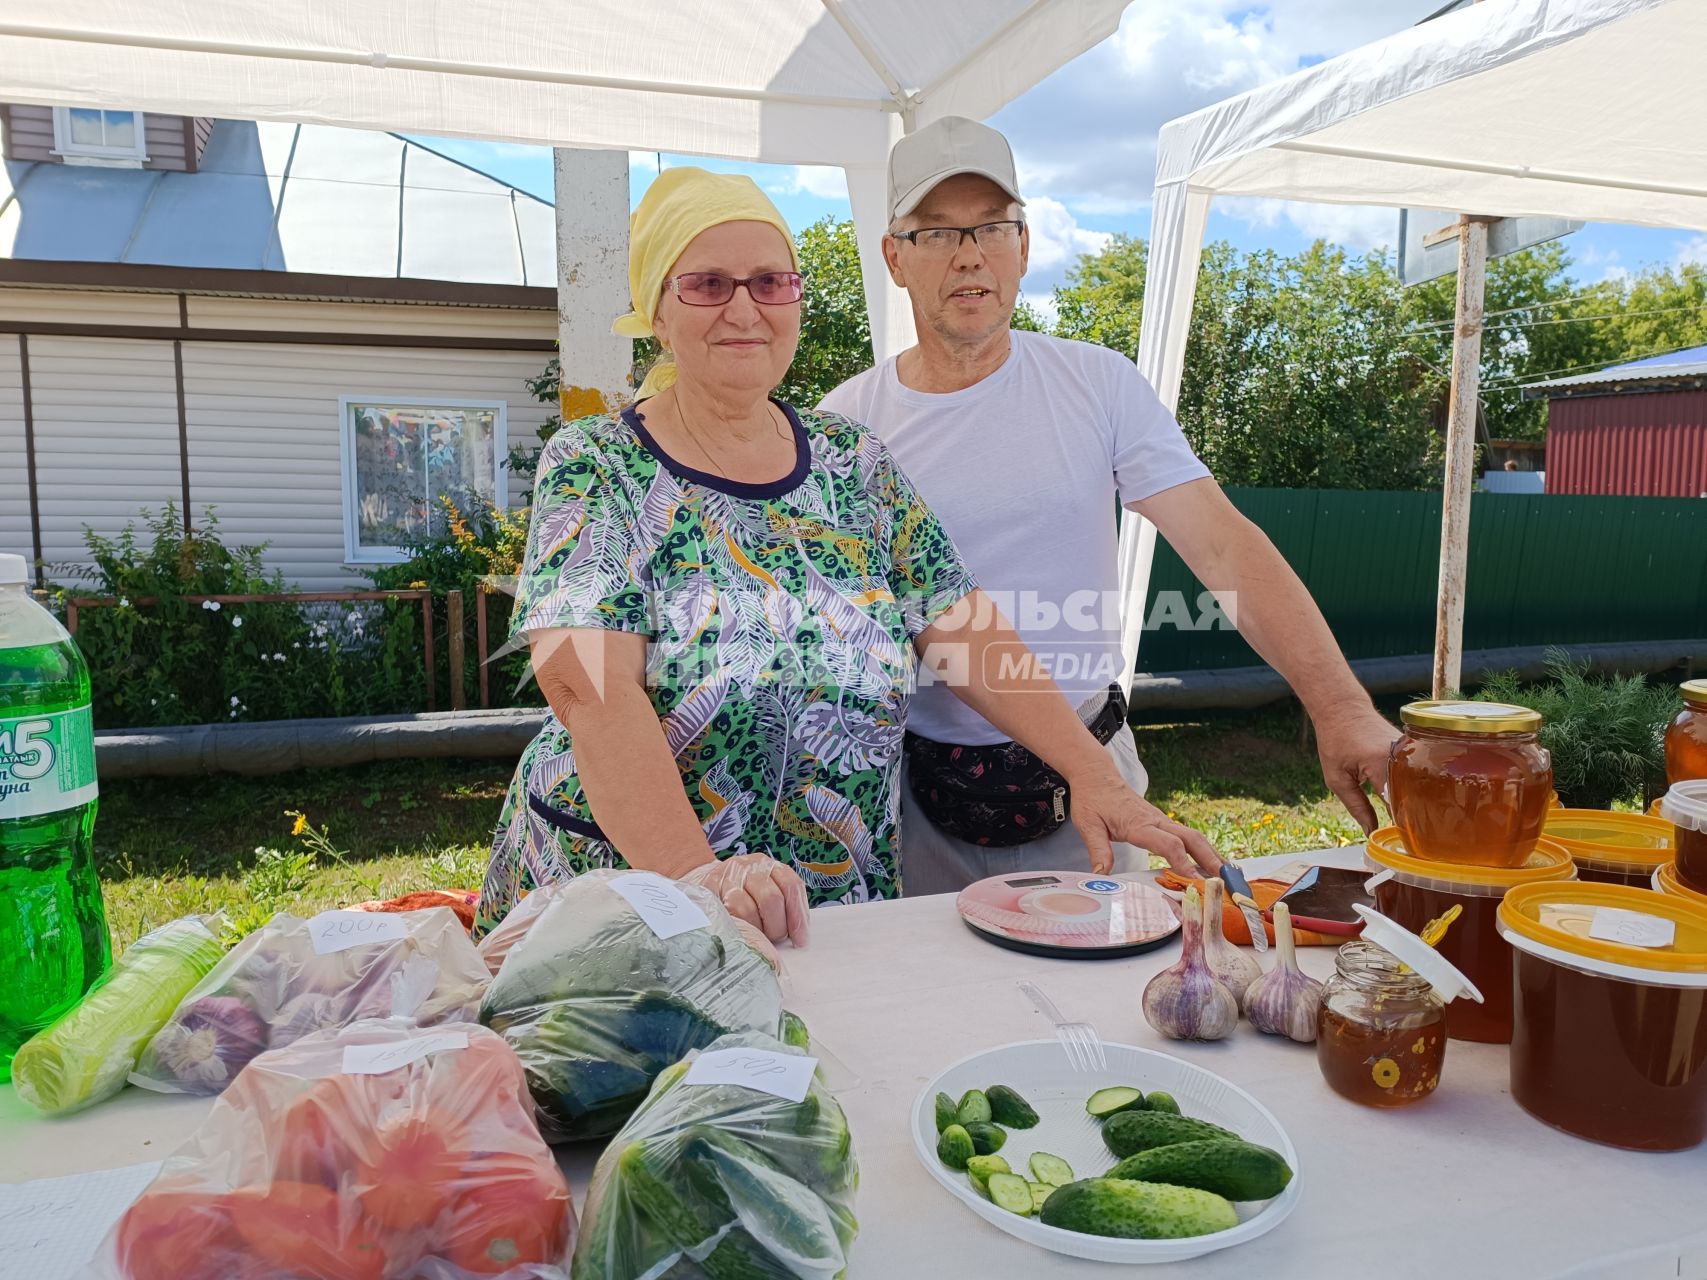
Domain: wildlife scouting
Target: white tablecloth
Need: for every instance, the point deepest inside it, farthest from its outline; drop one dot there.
(1462, 1185)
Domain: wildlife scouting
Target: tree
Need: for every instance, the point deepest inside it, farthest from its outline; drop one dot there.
(835, 332)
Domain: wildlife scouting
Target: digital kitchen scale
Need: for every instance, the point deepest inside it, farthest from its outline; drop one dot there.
(1069, 914)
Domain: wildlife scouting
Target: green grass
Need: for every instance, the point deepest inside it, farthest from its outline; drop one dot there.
(170, 846)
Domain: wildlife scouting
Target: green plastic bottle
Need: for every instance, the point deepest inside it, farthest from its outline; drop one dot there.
(53, 927)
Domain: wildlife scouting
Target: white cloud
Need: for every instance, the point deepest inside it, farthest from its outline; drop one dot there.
(1357, 227)
(1057, 240)
(1692, 252)
(1087, 135)
(824, 182)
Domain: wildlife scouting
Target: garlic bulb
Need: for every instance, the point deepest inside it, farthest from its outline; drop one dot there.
(1187, 1002)
(1235, 969)
(1285, 1000)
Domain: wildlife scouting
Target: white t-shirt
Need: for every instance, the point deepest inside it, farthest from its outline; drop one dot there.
(1023, 470)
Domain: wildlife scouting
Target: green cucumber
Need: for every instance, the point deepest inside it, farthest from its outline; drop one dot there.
(1133, 1131)
(1108, 1102)
(987, 1138)
(1040, 1191)
(1051, 1169)
(1137, 1210)
(979, 1169)
(1011, 1192)
(1007, 1108)
(1228, 1167)
(1159, 1101)
(974, 1108)
(945, 1111)
(954, 1147)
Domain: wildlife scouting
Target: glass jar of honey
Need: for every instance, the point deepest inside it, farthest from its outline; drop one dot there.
(1381, 1031)
(1686, 736)
(1685, 807)
(1413, 893)
(1609, 1020)
(1469, 782)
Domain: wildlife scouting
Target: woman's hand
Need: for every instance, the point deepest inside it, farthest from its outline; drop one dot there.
(755, 887)
(1104, 808)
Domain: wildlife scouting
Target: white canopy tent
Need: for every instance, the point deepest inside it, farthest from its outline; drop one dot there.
(1592, 109)
(829, 82)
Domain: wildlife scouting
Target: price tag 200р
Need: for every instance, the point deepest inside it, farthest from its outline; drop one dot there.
(340, 930)
(782, 1075)
(666, 910)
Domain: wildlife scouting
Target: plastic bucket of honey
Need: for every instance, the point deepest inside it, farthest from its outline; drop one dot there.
(1609, 1012)
(1413, 892)
(1613, 848)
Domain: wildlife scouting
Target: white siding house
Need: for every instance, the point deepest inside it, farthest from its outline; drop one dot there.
(314, 331)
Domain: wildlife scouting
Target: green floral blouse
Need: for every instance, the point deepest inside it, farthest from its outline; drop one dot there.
(780, 618)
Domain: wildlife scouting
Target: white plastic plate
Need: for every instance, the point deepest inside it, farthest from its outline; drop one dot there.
(1039, 1069)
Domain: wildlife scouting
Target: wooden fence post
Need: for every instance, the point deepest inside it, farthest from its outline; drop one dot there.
(427, 637)
(453, 623)
(480, 643)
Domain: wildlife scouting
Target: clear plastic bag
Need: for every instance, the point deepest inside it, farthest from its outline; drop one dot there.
(87, 1054)
(431, 1169)
(295, 976)
(596, 1003)
(725, 1182)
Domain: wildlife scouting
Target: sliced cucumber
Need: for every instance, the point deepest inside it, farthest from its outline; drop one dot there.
(946, 1111)
(1011, 1192)
(979, 1168)
(1159, 1101)
(1040, 1191)
(1051, 1169)
(987, 1138)
(974, 1108)
(1107, 1102)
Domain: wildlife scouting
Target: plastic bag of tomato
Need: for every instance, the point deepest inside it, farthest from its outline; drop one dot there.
(380, 1151)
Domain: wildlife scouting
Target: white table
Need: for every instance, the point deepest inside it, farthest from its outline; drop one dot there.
(1462, 1185)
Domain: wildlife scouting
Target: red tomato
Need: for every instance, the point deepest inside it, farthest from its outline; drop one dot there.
(408, 1171)
(173, 1232)
(503, 1222)
(301, 1228)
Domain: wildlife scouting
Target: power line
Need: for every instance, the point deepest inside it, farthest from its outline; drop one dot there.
(1610, 315)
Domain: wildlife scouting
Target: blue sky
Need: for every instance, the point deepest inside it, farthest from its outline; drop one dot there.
(1085, 138)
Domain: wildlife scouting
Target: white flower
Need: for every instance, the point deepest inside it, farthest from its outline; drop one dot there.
(297, 645)
(154, 702)
(278, 657)
(124, 602)
(234, 701)
(237, 622)
(212, 606)
(234, 713)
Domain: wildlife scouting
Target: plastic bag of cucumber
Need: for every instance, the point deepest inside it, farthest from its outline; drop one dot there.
(1176, 1175)
(596, 1003)
(723, 1181)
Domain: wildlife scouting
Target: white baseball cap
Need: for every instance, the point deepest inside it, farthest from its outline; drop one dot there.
(942, 149)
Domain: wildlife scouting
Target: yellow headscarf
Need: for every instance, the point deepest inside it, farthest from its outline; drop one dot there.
(677, 207)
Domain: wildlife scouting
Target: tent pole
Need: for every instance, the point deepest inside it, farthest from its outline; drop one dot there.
(592, 280)
(1460, 454)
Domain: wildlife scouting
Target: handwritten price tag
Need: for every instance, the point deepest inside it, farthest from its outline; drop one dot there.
(341, 930)
(783, 1075)
(1632, 928)
(388, 1055)
(666, 910)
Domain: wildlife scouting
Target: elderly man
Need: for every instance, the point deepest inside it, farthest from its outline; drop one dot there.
(1018, 441)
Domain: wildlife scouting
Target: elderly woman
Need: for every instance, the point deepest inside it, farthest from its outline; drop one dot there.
(723, 596)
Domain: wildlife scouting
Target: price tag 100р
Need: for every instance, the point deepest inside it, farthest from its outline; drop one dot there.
(783, 1075)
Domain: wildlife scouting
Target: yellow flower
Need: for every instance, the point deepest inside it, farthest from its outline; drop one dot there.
(1385, 1072)
(300, 825)
(417, 585)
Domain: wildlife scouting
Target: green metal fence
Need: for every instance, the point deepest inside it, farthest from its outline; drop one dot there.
(1544, 569)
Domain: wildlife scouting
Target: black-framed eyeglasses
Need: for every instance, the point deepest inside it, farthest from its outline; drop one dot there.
(991, 237)
(713, 288)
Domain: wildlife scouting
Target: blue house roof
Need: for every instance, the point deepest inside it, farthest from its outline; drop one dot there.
(286, 197)
(1687, 365)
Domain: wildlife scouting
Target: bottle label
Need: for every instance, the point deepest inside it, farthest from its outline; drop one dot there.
(47, 762)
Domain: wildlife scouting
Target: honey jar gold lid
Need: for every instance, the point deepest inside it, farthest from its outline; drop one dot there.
(1695, 693)
(1471, 717)
(1608, 841)
(1666, 880)
(1616, 930)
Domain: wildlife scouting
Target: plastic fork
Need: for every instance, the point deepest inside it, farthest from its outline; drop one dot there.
(1080, 1039)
